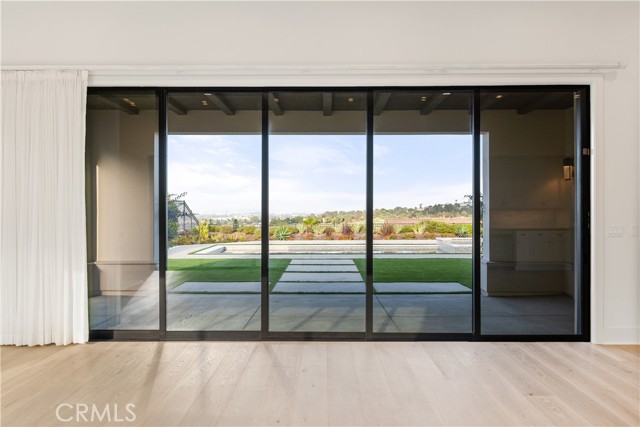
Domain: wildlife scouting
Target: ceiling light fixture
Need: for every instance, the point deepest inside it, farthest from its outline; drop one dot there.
(205, 103)
(424, 98)
(446, 93)
(276, 100)
(207, 94)
(498, 96)
(350, 99)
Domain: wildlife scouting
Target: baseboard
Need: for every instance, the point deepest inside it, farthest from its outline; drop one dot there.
(618, 336)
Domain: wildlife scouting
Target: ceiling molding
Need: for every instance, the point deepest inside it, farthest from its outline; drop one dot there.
(325, 70)
(325, 75)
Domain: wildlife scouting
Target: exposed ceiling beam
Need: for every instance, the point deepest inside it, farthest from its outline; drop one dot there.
(381, 102)
(327, 103)
(274, 105)
(220, 103)
(432, 103)
(539, 102)
(122, 105)
(176, 107)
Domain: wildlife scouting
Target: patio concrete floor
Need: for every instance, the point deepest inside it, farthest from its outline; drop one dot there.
(337, 313)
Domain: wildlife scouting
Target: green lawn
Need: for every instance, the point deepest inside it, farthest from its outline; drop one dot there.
(384, 270)
(222, 270)
(420, 270)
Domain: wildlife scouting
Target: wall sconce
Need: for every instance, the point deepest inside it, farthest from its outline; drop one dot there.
(567, 168)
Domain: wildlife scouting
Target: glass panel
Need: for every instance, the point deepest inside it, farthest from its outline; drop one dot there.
(122, 209)
(528, 146)
(423, 159)
(214, 151)
(317, 184)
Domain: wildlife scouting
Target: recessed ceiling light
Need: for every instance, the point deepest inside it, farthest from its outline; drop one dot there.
(446, 93)
(350, 99)
(207, 94)
(424, 98)
(205, 103)
(126, 99)
(133, 104)
(498, 96)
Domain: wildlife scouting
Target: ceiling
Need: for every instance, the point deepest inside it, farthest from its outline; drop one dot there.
(279, 103)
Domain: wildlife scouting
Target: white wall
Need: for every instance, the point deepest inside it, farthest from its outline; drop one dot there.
(269, 33)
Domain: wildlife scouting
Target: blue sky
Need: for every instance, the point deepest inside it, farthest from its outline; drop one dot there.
(316, 173)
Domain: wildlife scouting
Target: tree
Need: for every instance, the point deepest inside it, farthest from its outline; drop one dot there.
(203, 231)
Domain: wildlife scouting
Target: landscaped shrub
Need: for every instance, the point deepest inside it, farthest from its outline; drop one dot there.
(408, 236)
(345, 237)
(282, 233)
(182, 240)
(248, 229)
(463, 231)
(293, 229)
(203, 231)
(308, 224)
(406, 229)
(226, 229)
(359, 228)
(328, 231)
(429, 236)
(346, 230)
(387, 229)
(440, 227)
(240, 237)
(214, 228)
(419, 228)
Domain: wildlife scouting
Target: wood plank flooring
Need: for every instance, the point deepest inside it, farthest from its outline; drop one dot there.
(321, 383)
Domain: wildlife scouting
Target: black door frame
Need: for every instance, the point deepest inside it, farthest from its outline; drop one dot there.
(583, 196)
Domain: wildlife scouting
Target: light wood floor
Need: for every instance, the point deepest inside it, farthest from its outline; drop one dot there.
(325, 383)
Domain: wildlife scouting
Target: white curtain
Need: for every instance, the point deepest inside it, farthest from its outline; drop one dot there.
(43, 263)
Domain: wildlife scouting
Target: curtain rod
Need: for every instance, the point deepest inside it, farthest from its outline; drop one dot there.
(245, 70)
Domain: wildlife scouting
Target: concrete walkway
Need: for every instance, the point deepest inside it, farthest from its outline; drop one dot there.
(337, 312)
(324, 275)
(419, 287)
(216, 287)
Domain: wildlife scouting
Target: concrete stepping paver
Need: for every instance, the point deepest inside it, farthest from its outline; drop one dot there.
(419, 287)
(202, 287)
(320, 277)
(322, 261)
(319, 287)
(306, 268)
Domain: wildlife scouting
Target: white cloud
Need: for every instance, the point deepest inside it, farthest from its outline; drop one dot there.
(413, 195)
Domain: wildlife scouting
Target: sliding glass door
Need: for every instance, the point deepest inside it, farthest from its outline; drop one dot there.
(423, 194)
(531, 277)
(122, 178)
(213, 211)
(369, 213)
(317, 183)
